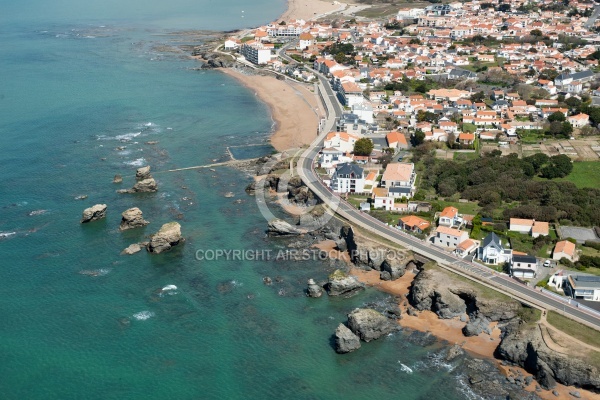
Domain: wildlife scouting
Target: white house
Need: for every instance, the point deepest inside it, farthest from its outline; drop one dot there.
(523, 266)
(449, 237)
(492, 252)
(450, 217)
(364, 111)
(342, 141)
(529, 226)
(331, 157)
(306, 40)
(564, 249)
(579, 120)
(351, 93)
(399, 179)
(466, 247)
(348, 178)
(232, 44)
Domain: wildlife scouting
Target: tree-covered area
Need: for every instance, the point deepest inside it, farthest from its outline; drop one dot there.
(526, 184)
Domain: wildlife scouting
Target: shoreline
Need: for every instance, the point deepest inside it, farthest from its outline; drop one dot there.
(450, 331)
(294, 108)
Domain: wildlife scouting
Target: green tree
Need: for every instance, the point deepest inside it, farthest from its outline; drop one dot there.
(556, 116)
(418, 138)
(363, 147)
(340, 58)
(536, 32)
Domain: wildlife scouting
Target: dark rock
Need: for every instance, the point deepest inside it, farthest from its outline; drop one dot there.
(342, 284)
(385, 276)
(345, 340)
(145, 186)
(555, 392)
(475, 326)
(394, 267)
(369, 324)
(267, 281)
(576, 394)
(94, 213)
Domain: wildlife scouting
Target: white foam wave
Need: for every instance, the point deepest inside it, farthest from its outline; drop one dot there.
(37, 212)
(466, 390)
(405, 368)
(6, 234)
(143, 315)
(235, 283)
(127, 136)
(169, 287)
(136, 163)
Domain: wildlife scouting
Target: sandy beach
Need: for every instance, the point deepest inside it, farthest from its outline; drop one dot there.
(309, 9)
(294, 108)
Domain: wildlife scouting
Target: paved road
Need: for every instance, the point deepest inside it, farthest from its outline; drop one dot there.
(592, 19)
(305, 169)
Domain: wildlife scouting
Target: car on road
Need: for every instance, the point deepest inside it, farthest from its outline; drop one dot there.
(547, 264)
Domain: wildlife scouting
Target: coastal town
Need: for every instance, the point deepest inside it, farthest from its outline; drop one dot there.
(470, 127)
(464, 81)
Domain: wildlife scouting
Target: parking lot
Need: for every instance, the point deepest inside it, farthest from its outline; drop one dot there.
(578, 233)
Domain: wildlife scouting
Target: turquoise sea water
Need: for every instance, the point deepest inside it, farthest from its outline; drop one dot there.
(83, 86)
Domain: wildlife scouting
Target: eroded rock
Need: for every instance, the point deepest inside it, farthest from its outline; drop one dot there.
(94, 213)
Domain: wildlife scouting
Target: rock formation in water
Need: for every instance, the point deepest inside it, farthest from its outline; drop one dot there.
(118, 179)
(345, 340)
(168, 235)
(314, 290)
(143, 173)
(369, 324)
(132, 218)
(279, 227)
(342, 284)
(94, 213)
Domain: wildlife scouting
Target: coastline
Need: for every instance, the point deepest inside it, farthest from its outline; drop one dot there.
(294, 108)
(310, 9)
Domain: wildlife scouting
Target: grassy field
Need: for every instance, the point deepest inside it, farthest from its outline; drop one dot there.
(465, 156)
(575, 329)
(531, 137)
(463, 208)
(586, 174)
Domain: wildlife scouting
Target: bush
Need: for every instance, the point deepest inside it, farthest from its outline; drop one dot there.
(592, 244)
(566, 262)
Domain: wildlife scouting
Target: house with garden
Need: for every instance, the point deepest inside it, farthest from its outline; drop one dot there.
(492, 251)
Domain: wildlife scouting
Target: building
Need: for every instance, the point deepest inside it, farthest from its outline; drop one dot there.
(256, 52)
(564, 249)
(523, 266)
(348, 178)
(396, 140)
(413, 223)
(492, 252)
(584, 287)
(351, 94)
(529, 227)
(579, 120)
(399, 179)
(342, 141)
(450, 217)
(306, 40)
(449, 237)
(465, 248)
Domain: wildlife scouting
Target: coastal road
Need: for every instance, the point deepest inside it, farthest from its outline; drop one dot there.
(500, 282)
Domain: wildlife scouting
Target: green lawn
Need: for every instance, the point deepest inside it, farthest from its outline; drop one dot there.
(463, 208)
(465, 156)
(585, 174)
(575, 329)
(469, 128)
(531, 136)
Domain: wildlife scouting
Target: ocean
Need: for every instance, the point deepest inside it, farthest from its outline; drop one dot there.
(83, 87)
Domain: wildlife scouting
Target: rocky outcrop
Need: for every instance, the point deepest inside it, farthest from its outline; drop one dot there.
(395, 268)
(369, 324)
(118, 179)
(313, 289)
(279, 227)
(430, 290)
(525, 346)
(94, 213)
(132, 249)
(316, 218)
(214, 60)
(476, 326)
(144, 186)
(132, 218)
(169, 235)
(369, 255)
(345, 340)
(143, 173)
(269, 182)
(298, 193)
(342, 284)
